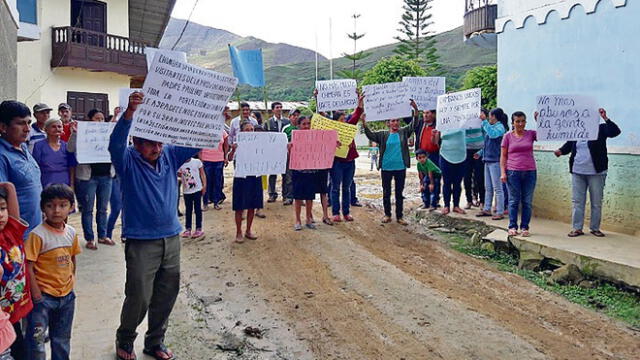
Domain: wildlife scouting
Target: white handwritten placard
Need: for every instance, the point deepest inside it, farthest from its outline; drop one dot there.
(459, 110)
(150, 53)
(386, 101)
(336, 94)
(183, 104)
(425, 90)
(93, 142)
(567, 118)
(261, 153)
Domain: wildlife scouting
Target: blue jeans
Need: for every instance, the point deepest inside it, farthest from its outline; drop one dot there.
(88, 190)
(595, 185)
(341, 179)
(215, 182)
(493, 186)
(431, 198)
(521, 186)
(56, 314)
(452, 175)
(115, 204)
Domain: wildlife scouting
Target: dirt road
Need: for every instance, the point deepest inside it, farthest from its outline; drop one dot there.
(366, 291)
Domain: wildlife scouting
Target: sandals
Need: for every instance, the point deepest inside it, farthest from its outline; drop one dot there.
(597, 233)
(575, 233)
(106, 241)
(125, 352)
(386, 220)
(459, 211)
(497, 217)
(402, 222)
(91, 245)
(348, 218)
(159, 352)
(327, 221)
(337, 219)
(297, 227)
(526, 233)
(446, 211)
(250, 236)
(311, 226)
(513, 232)
(260, 215)
(483, 214)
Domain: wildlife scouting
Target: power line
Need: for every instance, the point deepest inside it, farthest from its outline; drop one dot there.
(185, 26)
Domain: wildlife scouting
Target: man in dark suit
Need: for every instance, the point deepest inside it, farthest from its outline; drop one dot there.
(275, 124)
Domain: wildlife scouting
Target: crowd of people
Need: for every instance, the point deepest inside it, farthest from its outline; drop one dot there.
(41, 181)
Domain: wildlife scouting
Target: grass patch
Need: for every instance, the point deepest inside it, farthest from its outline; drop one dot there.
(604, 297)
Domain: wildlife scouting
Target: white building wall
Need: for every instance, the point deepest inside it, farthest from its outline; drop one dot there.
(38, 82)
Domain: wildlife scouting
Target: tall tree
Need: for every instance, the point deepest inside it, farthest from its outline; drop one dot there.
(416, 41)
(356, 56)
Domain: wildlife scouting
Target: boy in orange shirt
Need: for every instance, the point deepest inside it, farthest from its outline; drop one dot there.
(51, 255)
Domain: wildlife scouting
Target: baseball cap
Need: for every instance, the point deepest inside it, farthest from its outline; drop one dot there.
(64, 106)
(41, 107)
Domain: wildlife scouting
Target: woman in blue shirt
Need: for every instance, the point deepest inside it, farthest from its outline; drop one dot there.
(394, 160)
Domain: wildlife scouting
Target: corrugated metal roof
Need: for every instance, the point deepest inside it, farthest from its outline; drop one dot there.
(259, 105)
(148, 19)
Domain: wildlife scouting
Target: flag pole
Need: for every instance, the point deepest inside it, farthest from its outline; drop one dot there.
(330, 50)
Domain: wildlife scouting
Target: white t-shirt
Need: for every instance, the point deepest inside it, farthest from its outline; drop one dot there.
(190, 173)
(583, 163)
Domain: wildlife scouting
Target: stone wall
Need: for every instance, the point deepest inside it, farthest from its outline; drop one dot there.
(8, 44)
(621, 208)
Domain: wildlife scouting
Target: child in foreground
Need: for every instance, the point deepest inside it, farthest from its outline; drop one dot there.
(15, 297)
(194, 185)
(426, 171)
(247, 195)
(51, 262)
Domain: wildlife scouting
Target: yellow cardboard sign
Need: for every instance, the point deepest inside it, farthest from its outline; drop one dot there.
(346, 132)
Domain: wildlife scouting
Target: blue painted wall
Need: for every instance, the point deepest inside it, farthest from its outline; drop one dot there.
(596, 54)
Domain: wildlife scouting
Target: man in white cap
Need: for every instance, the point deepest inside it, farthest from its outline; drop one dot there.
(41, 112)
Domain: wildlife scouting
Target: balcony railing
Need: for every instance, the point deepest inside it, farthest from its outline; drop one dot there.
(97, 51)
(480, 17)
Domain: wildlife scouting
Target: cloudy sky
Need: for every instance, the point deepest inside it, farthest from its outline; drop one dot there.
(298, 21)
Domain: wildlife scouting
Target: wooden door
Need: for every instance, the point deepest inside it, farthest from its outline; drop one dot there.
(90, 15)
(83, 102)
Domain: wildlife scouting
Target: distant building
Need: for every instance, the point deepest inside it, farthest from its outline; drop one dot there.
(83, 51)
(571, 46)
(8, 36)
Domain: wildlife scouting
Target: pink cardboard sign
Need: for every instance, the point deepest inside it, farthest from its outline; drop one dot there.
(312, 149)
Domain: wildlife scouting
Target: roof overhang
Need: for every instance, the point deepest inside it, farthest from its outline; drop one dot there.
(148, 20)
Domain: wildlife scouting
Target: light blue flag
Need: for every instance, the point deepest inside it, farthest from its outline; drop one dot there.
(247, 66)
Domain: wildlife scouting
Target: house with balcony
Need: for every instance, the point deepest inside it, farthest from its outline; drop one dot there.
(573, 47)
(83, 51)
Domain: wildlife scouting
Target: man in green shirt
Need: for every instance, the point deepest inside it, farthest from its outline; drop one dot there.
(426, 170)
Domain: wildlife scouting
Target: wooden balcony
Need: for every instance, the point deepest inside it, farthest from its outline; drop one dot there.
(480, 17)
(96, 51)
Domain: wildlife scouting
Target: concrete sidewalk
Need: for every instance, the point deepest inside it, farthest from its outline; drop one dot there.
(615, 257)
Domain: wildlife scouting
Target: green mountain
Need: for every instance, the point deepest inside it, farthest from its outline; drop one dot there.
(290, 70)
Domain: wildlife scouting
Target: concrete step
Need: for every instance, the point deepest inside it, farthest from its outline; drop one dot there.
(615, 257)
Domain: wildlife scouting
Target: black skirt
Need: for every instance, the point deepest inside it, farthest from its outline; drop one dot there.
(322, 181)
(247, 193)
(304, 185)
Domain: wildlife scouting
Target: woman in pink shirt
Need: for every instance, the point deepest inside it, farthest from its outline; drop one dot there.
(518, 170)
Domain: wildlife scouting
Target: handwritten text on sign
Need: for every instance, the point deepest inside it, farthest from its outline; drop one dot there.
(567, 118)
(261, 153)
(313, 149)
(93, 142)
(337, 94)
(425, 90)
(346, 132)
(183, 104)
(459, 110)
(387, 101)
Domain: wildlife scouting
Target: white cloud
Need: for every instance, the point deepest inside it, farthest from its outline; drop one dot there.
(297, 22)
